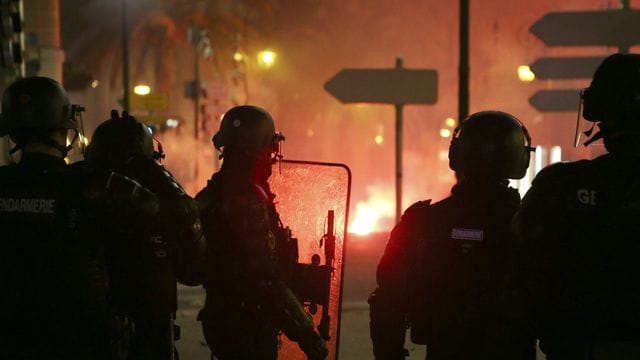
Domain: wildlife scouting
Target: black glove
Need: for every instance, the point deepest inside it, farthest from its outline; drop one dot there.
(314, 347)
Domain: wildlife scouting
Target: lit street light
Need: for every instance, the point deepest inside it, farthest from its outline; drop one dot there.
(525, 74)
(266, 59)
(142, 90)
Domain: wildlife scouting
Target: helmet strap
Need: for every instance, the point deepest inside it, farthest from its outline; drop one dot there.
(45, 139)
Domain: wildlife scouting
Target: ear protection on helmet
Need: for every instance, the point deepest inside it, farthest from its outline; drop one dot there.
(513, 166)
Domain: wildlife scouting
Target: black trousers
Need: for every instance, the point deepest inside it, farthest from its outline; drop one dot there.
(239, 335)
(595, 350)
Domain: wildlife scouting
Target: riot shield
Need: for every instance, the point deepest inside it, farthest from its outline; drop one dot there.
(312, 199)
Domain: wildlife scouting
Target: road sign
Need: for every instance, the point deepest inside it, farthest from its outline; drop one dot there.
(398, 86)
(556, 100)
(387, 86)
(149, 102)
(582, 28)
(566, 67)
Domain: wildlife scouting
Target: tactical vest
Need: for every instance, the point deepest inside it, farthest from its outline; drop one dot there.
(227, 255)
(593, 251)
(462, 260)
(52, 265)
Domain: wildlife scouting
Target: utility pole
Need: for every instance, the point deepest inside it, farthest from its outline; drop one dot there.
(463, 70)
(196, 86)
(398, 86)
(125, 58)
(625, 5)
(201, 45)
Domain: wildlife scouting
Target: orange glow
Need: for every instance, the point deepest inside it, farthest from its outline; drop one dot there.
(369, 215)
(365, 220)
(525, 74)
(450, 122)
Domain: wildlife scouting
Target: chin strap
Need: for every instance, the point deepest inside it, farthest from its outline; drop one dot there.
(597, 136)
(48, 141)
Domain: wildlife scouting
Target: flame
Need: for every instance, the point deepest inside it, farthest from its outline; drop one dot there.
(365, 220)
(371, 213)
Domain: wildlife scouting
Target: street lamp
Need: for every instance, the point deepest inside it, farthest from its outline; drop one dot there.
(142, 89)
(525, 74)
(267, 58)
(238, 56)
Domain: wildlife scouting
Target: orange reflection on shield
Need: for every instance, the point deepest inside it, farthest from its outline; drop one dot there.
(312, 199)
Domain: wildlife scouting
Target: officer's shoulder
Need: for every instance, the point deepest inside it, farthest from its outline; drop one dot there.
(95, 176)
(87, 172)
(79, 166)
(5, 169)
(209, 196)
(7, 172)
(206, 192)
(561, 171)
(417, 210)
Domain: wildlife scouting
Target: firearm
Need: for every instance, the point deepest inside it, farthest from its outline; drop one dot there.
(312, 282)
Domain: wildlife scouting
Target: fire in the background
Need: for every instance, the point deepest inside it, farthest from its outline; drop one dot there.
(376, 213)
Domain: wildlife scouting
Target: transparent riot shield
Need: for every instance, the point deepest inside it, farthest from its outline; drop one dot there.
(312, 199)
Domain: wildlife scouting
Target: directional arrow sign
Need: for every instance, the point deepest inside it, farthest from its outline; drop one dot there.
(389, 86)
(556, 100)
(566, 68)
(610, 27)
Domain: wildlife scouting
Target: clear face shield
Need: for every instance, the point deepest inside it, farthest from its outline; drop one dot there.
(75, 113)
(584, 128)
(152, 147)
(276, 150)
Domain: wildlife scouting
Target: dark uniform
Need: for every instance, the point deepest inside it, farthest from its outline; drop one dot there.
(249, 301)
(446, 265)
(580, 223)
(59, 225)
(172, 248)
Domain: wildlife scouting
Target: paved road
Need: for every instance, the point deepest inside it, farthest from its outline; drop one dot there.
(362, 257)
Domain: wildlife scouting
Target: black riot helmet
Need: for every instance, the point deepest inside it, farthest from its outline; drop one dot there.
(36, 103)
(119, 139)
(490, 144)
(613, 98)
(34, 106)
(247, 128)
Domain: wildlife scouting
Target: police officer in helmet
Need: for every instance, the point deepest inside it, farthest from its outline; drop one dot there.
(172, 248)
(579, 226)
(445, 266)
(57, 221)
(249, 301)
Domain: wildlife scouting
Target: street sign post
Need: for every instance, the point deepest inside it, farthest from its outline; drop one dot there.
(620, 28)
(397, 86)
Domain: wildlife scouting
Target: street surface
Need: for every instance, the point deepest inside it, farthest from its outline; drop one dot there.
(363, 254)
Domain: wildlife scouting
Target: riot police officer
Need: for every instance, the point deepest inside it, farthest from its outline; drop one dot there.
(445, 266)
(171, 249)
(58, 223)
(249, 301)
(579, 226)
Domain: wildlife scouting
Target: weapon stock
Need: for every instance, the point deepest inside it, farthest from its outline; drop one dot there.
(312, 282)
(329, 255)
